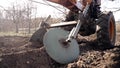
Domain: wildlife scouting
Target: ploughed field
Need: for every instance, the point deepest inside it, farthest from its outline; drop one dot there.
(18, 52)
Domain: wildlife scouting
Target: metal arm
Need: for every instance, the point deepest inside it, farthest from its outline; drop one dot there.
(76, 29)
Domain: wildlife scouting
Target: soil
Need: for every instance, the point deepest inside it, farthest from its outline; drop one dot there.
(18, 52)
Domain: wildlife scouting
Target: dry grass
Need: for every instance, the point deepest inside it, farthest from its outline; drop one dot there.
(25, 33)
(14, 34)
(118, 27)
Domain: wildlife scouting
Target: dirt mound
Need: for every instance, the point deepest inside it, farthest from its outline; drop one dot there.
(17, 52)
(26, 59)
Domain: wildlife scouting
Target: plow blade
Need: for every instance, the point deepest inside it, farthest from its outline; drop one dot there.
(57, 49)
(38, 35)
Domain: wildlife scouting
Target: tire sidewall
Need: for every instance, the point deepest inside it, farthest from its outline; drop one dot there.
(111, 16)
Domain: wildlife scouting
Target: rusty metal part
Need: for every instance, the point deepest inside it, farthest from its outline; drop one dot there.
(70, 4)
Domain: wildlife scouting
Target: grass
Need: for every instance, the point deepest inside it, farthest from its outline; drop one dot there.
(14, 34)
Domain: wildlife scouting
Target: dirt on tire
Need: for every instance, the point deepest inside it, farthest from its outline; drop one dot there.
(17, 52)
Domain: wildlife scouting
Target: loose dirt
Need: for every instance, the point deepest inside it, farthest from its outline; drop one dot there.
(17, 52)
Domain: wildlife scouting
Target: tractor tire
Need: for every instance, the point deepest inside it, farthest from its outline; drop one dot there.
(106, 34)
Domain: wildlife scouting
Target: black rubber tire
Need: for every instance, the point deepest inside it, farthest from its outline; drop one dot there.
(106, 35)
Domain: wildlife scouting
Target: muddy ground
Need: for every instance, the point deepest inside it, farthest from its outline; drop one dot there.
(17, 52)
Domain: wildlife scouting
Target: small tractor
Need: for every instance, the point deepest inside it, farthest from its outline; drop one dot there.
(60, 39)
